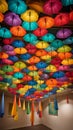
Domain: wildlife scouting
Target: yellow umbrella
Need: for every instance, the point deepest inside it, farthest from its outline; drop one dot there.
(3, 6)
(1, 17)
(20, 50)
(51, 68)
(64, 48)
(30, 16)
(42, 45)
(67, 62)
(33, 59)
(20, 65)
(40, 82)
(46, 57)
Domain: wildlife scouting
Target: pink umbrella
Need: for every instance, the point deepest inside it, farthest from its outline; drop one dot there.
(7, 61)
(12, 19)
(52, 7)
(63, 33)
(12, 53)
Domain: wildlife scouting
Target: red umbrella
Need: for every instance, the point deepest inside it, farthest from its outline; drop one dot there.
(52, 7)
(62, 19)
(71, 15)
(7, 40)
(7, 61)
(31, 48)
(40, 32)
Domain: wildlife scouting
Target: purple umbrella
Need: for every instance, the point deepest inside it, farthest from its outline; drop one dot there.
(63, 79)
(63, 33)
(12, 53)
(12, 19)
(8, 48)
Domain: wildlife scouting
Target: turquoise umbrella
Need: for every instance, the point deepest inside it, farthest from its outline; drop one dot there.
(57, 43)
(68, 40)
(49, 37)
(50, 48)
(2, 106)
(17, 6)
(5, 33)
(18, 43)
(30, 26)
(67, 2)
(18, 75)
(29, 37)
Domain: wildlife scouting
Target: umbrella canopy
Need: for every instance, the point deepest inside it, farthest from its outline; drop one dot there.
(30, 37)
(3, 6)
(3, 55)
(51, 82)
(42, 44)
(13, 58)
(71, 16)
(18, 43)
(41, 65)
(18, 31)
(40, 32)
(12, 19)
(62, 19)
(50, 49)
(57, 43)
(58, 74)
(46, 22)
(32, 82)
(32, 67)
(33, 59)
(67, 3)
(51, 68)
(64, 48)
(7, 68)
(25, 56)
(27, 78)
(68, 41)
(40, 53)
(30, 26)
(63, 33)
(30, 16)
(49, 37)
(64, 55)
(7, 40)
(20, 65)
(46, 57)
(12, 53)
(18, 75)
(1, 17)
(20, 50)
(5, 33)
(67, 62)
(56, 61)
(52, 7)
(63, 67)
(17, 6)
(7, 61)
(8, 48)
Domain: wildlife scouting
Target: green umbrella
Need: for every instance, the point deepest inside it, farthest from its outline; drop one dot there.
(7, 68)
(64, 48)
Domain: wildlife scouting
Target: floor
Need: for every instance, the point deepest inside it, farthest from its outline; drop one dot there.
(38, 127)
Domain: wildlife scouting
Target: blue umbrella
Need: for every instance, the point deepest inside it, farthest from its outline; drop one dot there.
(18, 75)
(25, 56)
(67, 2)
(30, 37)
(41, 65)
(58, 74)
(18, 43)
(68, 40)
(2, 106)
(50, 48)
(32, 82)
(5, 33)
(30, 26)
(7, 80)
(25, 70)
(13, 58)
(57, 43)
(49, 37)
(17, 6)
(43, 86)
(32, 90)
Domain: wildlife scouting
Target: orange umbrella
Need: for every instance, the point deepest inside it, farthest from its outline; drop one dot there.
(20, 50)
(64, 55)
(40, 52)
(1, 17)
(32, 67)
(51, 82)
(33, 59)
(3, 55)
(18, 31)
(46, 22)
(52, 53)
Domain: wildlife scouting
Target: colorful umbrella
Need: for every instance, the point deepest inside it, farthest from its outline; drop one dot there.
(64, 48)
(20, 50)
(30, 26)
(7, 40)
(63, 33)
(63, 67)
(18, 31)
(5, 33)
(18, 75)
(3, 55)
(50, 48)
(33, 59)
(64, 55)
(12, 19)
(49, 37)
(57, 43)
(32, 82)
(51, 82)
(27, 78)
(12, 53)
(7, 61)
(1, 17)
(42, 44)
(7, 68)
(40, 32)
(67, 3)
(71, 15)
(20, 64)
(46, 22)
(18, 43)
(32, 67)
(25, 56)
(30, 37)
(58, 74)
(40, 53)
(56, 61)
(3, 6)
(51, 68)
(17, 6)
(41, 65)
(30, 16)
(68, 41)
(67, 62)
(8, 48)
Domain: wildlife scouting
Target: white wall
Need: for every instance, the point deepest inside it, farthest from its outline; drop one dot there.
(7, 122)
(64, 120)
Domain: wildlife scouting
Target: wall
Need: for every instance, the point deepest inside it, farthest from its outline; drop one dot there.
(7, 121)
(64, 120)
